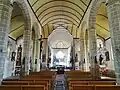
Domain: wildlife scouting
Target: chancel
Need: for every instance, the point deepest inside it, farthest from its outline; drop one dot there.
(59, 44)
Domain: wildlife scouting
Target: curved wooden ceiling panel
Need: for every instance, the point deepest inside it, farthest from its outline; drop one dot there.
(67, 12)
(76, 22)
(59, 11)
(45, 4)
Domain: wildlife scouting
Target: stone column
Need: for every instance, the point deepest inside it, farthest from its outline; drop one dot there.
(26, 50)
(38, 55)
(73, 52)
(86, 55)
(46, 52)
(5, 16)
(82, 53)
(93, 53)
(113, 9)
(34, 54)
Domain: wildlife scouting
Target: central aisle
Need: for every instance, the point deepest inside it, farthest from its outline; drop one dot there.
(60, 82)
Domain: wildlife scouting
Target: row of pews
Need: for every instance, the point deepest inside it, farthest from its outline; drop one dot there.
(35, 81)
(78, 80)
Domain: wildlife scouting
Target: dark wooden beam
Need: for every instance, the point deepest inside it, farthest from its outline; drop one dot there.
(85, 12)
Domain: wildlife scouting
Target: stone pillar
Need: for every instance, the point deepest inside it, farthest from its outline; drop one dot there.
(86, 55)
(5, 16)
(73, 52)
(46, 51)
(113, 9)
(26, 50)
(93, 53)
(82, 54)
(38, 55)
(34, 54)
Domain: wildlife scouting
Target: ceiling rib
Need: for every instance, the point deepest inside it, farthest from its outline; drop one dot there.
(84, 3)
(61, 19)
(16, 16)
(59, 22)
(59, 6)
(101, 36)
(102, 27)
(16, 28)
(103, 16)
(85, 12)
(34, 3)
(59, 15)
(62, 14)
(62, 1)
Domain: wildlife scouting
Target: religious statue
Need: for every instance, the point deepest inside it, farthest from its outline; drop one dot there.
(13, 56)
(101, 58)
(76, 57)
(107, 56)
(19, 56)
(100, 54)
(103, 55)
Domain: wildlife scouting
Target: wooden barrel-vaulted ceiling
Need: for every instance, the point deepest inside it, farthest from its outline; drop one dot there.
(54, 13)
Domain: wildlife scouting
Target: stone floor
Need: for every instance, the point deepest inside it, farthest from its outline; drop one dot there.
(60, 82)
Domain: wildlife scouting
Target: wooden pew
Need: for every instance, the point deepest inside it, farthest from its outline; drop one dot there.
(107, 87)
(9, 87)
(82, 87)
(75, 83)
(44, 83)
(22, 87)
(101, 83)
(43, 73)
(37, 78)
(78, 75)
(33, 87)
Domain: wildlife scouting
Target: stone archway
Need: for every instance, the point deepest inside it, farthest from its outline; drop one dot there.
(92, 37)
(26, 35)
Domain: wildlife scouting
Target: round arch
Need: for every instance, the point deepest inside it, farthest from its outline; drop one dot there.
(92, 37)
(26, 35)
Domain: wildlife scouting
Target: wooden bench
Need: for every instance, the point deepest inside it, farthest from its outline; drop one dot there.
(22, 87)
(82, 87)
(107, 87)
(95, 87)
(75, 83)
(101, 83)
(44, 83)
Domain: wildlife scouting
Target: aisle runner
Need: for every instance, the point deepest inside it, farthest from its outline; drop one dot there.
(60, 82)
